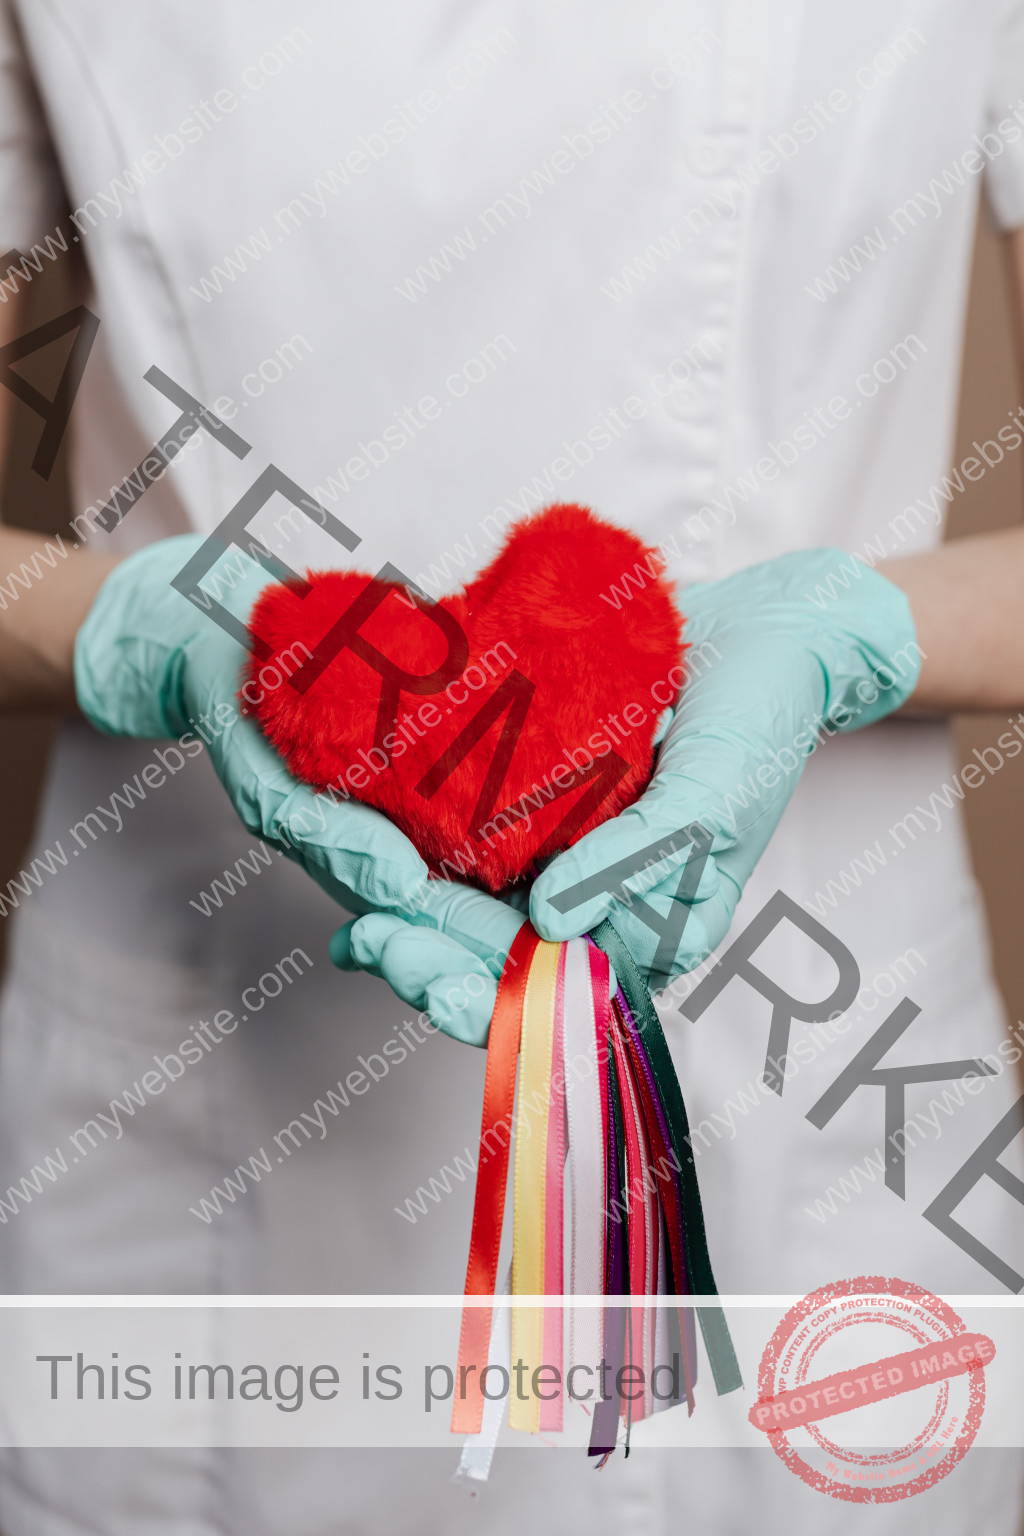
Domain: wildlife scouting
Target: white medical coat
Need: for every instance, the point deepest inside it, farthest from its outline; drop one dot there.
(701, 266)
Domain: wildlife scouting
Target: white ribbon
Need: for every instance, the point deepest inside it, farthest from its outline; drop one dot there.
(478, 1451)
(586, 1156)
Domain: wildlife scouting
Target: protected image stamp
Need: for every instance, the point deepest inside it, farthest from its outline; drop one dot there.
(907, 1415)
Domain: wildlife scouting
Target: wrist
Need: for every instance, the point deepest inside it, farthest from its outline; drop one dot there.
(873, 643)
(37, 631)
(130, 649)
(821, 623)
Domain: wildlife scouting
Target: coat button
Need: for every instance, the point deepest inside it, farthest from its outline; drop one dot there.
(706, 156)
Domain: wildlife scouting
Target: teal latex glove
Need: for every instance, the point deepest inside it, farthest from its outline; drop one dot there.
(148, 663)
(452, 975)
(773, 665)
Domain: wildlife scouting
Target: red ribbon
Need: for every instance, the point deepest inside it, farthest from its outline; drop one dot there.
(491, 1179)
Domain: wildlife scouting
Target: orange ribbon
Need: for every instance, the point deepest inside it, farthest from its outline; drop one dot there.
(492, 1176)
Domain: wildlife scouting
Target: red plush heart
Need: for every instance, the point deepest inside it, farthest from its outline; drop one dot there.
(494, 727)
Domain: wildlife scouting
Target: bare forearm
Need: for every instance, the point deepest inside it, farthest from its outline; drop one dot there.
(967, 599)
(46, 589)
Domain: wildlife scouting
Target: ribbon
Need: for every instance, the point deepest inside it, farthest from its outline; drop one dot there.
(478, 1450)
(529, 1188)
(597, 1087)
(636, 1212)
(666, 1169)
(554, 1211)
(724, 1365)
(586, 981)
(491, 1179)
(606, 1413)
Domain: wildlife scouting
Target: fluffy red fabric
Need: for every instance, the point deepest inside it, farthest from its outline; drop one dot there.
(542, 613)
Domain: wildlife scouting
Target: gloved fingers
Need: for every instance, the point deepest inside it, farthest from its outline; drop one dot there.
(426, 969)
(676, 946)
(462, 1002)
(418, 953)
(663, 725)
(359, 851)
(461, 1006)
(483, 924)
(355, 853)
(412, 958)
(357, 946)
(359, 857)
(694, 860)
(644, 849)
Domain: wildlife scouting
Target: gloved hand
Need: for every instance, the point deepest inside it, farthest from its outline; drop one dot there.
(445, 961)
(148, 663)
(783, 663)
(778, 655)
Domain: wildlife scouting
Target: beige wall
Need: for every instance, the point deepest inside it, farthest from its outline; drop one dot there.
(995, 812)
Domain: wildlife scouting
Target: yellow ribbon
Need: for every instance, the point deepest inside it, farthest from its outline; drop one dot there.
(529, 1182)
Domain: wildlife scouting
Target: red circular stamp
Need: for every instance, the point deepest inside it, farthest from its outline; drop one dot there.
(903, 1416)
